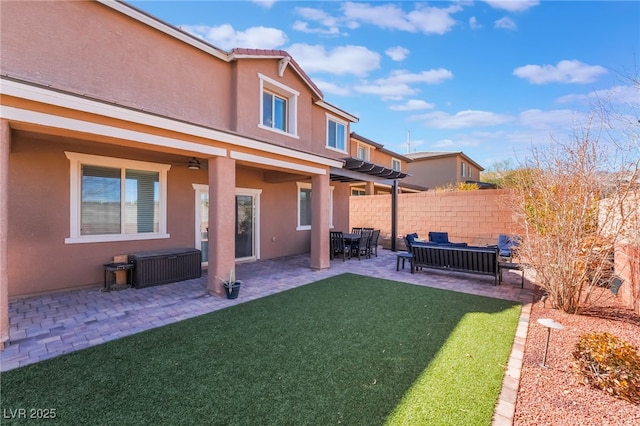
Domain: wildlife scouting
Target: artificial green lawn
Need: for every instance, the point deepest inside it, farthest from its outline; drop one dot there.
(350, 349)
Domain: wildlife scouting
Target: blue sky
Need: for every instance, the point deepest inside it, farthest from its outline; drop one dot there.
(490, 78)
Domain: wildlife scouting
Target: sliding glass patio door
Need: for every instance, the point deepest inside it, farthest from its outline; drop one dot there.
(247, 225)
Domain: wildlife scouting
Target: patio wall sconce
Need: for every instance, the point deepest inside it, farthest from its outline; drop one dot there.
(549, 323)
(194, 164)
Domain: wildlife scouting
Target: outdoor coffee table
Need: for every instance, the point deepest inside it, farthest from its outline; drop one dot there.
(512, 266)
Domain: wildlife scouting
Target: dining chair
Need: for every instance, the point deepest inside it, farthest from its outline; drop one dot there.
(373, 243)
(362, 247)
(337, 246)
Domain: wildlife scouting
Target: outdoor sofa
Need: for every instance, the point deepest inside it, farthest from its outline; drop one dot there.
(470, 259)
(435, 238)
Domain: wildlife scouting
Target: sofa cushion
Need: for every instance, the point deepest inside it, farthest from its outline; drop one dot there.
(412, 237)
(439, 237)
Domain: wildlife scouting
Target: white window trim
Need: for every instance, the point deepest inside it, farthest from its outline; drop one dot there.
(367, 152)
(395, 160)
(301, 185)
(76, 160)
(331, 188)
(304, 185)
(255, 193)
(291, 95)
(346, 133)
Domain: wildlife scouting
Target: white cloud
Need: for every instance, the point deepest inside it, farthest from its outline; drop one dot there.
(565, 72)
(356, 60)
(385, 16)
(512, 5)
(412, 105)
(444, 143)
(387, 91)
(560, 119)
(462, 119)
(505, 24)
(330, 24)
(425, 19)
(428, 77)
(304, 27)
(331, 88)
(618, 95)
(398, 84)
(473, 23)
(397, 53)
(264, 3)
(433, 20)
(225, 37)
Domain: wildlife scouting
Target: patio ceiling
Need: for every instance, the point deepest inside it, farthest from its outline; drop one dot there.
(356, 170)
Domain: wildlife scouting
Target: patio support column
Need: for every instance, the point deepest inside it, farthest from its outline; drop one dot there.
(222, 217)
(394, 215)
(5, 144)
(320, 199)
(369, 188)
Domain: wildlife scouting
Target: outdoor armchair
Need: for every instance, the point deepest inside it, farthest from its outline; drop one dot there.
(508, 245)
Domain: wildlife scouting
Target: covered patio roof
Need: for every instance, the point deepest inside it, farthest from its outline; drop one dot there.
(354, 169)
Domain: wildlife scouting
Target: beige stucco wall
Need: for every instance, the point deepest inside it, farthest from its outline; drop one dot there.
(88, 48)
(91, 50)
(311, 119)
(433, 173)
(440, 171)
(474, 217)
(38, 210)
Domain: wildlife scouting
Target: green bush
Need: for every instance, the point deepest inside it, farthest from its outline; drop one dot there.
(605, 362)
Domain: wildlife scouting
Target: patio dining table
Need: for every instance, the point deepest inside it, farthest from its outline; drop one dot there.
(351, 238)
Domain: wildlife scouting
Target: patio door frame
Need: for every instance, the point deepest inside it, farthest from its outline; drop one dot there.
(254, 194)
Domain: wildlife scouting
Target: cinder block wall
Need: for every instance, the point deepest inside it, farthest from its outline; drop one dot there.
(474, 217)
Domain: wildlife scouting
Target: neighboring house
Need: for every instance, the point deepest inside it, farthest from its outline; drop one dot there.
(121, 133)
(367, 150)
(441, 169)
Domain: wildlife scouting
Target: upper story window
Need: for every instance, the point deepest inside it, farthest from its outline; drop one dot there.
(274, 111)
(363, 152)
(396, 164)
(336, 134)
(113, 199)
(278, 107)
(464, 169)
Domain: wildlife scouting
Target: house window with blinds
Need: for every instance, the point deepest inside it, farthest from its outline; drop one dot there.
(119, 201)
(116, 199)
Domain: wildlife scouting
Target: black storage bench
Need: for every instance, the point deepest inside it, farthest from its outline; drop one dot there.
(165, 266)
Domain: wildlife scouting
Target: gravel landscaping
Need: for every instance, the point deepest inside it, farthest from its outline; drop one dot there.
(553, 396)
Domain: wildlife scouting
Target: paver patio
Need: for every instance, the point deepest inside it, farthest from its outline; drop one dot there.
(46, 326)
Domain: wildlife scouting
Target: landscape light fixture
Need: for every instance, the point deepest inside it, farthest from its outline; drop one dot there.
(194, 164)
(549, 323)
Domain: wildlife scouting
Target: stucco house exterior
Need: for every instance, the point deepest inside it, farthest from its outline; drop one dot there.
(441, 169)
(120, 133)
